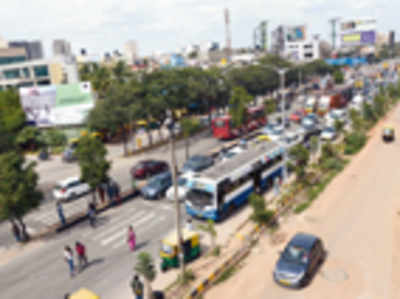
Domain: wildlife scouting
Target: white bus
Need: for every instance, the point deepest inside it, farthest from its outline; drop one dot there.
(217, 191)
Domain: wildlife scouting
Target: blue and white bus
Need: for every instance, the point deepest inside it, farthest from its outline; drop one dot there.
(217, 191)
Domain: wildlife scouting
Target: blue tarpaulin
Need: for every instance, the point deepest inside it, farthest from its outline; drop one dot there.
(346, 61)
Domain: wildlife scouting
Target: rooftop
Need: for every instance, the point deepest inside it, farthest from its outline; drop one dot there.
(7, 52)
(240, 160)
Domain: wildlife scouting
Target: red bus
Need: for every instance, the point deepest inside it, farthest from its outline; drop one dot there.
(223, 128)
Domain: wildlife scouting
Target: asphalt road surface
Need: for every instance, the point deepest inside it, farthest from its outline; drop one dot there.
(358, 219)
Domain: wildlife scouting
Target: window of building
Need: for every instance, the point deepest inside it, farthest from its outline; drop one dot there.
(12, 59)
(308, 46)
(308, 55)
(26, 72)
(25, 84)
(41, 71)
(11, 74)
(44, 82)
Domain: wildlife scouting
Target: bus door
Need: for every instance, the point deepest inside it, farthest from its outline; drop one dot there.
(222, 189)
(257, 170)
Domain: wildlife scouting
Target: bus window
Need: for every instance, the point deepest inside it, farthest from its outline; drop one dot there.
(219, 123)
(200, 198)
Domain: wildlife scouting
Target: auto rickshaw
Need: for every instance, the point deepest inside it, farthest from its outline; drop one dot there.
(388, 134)
(83, 294)
(169, 249)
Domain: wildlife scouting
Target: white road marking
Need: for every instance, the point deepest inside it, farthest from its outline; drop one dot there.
(119, 222)
(123, 232)
(151, 224)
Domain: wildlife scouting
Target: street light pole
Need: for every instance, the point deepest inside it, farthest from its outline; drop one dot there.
(177, 206)
(282, 73)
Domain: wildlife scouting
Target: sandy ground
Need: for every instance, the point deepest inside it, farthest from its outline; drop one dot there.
(358, 219)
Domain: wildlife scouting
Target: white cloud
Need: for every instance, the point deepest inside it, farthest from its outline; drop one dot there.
(168, 24)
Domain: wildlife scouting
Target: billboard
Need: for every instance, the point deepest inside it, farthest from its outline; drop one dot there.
(57, 105)
(295, 33)
(358, 32)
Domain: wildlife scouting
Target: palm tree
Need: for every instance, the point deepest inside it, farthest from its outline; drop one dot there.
(145, 267)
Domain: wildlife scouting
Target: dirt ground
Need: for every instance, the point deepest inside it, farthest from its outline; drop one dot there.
(358, 219)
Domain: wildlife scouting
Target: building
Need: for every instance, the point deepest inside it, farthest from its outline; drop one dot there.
(34, 49)
(12, 55)
(131, 52)
(37, 73)
(3, 43)
(61, 48)
(291, 42)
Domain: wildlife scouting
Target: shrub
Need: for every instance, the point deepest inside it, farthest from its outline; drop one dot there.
(301, 207)
(260, 215)
(332, 164)
(354, 142)
(55, 138)
(188, 276)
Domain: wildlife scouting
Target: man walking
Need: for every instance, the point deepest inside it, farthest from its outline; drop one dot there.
(137, 287)
(81, 253)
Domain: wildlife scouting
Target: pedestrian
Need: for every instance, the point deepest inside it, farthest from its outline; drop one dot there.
(16, 231)
(60, 213)
(81, 253)
(131, 238)
(69, 258)
(189, 224)
(137, 287)
(92, 214)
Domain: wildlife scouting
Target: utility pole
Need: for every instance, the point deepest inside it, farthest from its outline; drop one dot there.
(333, 22)
(282, 73)
(228, 34)
(176, 199)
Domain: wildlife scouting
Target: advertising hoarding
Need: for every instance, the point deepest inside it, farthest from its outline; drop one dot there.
(358, 32)
(295, 33)
(57, 105)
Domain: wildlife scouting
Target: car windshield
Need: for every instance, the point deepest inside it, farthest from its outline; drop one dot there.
(200, 198)
(155, 182)
(295, 254)
(182, 181)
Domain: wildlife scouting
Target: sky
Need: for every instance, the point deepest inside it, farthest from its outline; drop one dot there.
(168, 25)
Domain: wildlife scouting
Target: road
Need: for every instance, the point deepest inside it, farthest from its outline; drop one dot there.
(358, 218)
(42, 271)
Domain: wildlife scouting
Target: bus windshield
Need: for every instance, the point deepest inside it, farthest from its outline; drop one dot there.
(199, 198)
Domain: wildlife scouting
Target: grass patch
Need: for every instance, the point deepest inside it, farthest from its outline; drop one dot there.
(301, 207)
(226, 274)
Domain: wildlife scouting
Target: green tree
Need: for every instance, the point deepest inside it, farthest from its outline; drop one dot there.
(269, 106)
(54, 138)
(29, 138)
(121, 72)
(12, 119)
(339, 126)
(300, 156)
(379, 105)
(238, 106)
(189, 127)
(338, 77)
(314, 143)
(369, 114)
(209, 228)
(357, 121)
(261, 215)
(101, 80)
(145, 267)
(18, 189)
(91, 154)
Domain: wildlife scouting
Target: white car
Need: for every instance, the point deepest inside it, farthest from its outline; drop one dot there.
(291, 138)
(182, 187)
(70, 188)
(328, 134)
(334, 115)
(276, 134)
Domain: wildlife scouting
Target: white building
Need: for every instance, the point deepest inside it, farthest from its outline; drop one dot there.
(306, 50)
(131, 52)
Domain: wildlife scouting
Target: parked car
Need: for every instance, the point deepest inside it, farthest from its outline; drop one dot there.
(297, 116)
(276, 134)
(147, 168)
(335, 115)
(157, 186)
(328, 134)
(70, 188)
(292, 138)
(299, 261)
(182, 187)
(197, 163)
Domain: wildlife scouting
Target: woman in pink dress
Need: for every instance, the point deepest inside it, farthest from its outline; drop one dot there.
(131, 238)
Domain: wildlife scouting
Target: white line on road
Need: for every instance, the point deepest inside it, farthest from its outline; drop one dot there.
(123, 232)
(119, 222)
(151, 224)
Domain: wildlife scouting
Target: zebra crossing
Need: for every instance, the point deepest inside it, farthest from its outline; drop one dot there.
(147, 221)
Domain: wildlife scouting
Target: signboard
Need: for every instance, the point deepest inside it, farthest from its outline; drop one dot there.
(358, 32)
(56, 105)
(359, 38)
(295, 33)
